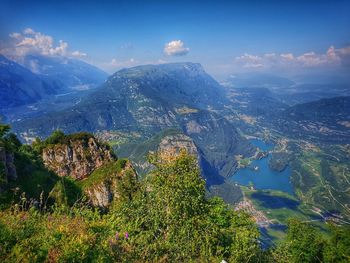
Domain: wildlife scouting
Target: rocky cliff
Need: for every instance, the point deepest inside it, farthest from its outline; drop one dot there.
(77, 158)
(171, 145)
(110, 183)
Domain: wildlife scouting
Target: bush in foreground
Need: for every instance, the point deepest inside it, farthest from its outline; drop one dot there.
(167, 219)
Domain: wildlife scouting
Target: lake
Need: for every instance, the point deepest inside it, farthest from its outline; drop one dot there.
(264, 177)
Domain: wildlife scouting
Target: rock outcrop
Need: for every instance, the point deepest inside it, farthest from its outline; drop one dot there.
(102, 190)
(171, 145)
(100, 195)
(77, 158)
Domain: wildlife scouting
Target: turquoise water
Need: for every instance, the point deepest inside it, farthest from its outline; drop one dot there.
(264, 177)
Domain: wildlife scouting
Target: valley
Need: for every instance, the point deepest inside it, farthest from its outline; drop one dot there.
(174, 131)
(312, 159)
(245, 137)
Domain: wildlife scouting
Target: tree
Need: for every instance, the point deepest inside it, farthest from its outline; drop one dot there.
(55, 137)
(12, 142)
(303, 244)
(4, 129)
(170, 218)
(338, 247)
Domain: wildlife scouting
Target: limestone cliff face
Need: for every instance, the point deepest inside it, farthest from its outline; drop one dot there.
(7, 166)
(77, 158)
(100, 195)
(104, 191)
(170, 146)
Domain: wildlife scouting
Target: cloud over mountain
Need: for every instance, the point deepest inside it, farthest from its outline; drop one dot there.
(176, 48)
(31, 42)
(332, 57)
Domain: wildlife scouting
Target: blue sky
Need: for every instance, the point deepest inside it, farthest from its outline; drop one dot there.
(225, 36)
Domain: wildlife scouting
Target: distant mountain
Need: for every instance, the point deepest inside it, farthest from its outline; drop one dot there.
(303, 93)
(330, 110)
(19, 86)
(145, 98)
(67, 73)
(255, 101)
(326, 119)
(288, 91)
(148, 99)
(253, 80)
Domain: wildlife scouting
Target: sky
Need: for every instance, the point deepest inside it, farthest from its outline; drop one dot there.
(226, 37)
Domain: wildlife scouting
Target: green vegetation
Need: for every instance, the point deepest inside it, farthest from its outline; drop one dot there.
(244, 162)
(137, 151)
(166, 217)
(173, 221)
(8, 140)
(277, 205)
(65, 193)
(116, 138)
(59, 138)
(105, 172)
(228, 191)
(279, 161)
(321, 178)
(32, 178)
(305, 244)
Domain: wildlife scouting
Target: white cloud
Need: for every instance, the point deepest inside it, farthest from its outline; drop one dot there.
(29, 31)
(287, 56)
(31, 42)
(176, 48)
(332, 57)
(15, 35)
(250, 61)
(341, 54)
(311, 59)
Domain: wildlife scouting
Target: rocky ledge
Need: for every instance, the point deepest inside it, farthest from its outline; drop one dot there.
(170, 146)
(77, 157)
(110, 183)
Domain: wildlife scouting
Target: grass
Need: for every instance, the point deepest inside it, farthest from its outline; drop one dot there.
(280, 214)
(37, 181)
(103, 173)
(311, 162)
(322, 179)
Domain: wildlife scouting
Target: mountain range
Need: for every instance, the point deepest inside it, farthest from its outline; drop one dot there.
(141, 108)
(139, 104)
(65, 72)
(18, 85)
(146, 100)
(37, 78)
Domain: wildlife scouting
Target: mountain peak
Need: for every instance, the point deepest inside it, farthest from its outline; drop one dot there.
(187, 68)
